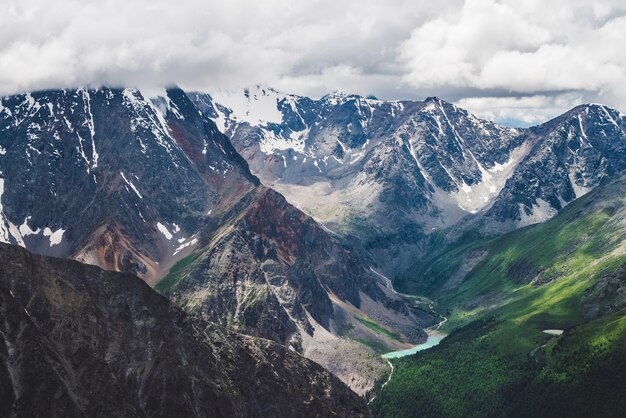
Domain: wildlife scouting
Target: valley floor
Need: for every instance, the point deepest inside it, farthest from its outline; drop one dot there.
(537, 328)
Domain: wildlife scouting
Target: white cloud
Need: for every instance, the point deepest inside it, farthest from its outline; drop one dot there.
(453, 50)
(520, 48)
(505, 58)
(195, 43)
(521, 111)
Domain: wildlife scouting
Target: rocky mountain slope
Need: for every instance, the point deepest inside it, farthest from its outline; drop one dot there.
(110, 177)
(272, 271)
(387, 174)
(146, 184)
(80, 341)
(571, 155)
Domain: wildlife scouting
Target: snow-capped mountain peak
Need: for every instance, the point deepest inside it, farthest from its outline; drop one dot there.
(351, 161)
(257, 105)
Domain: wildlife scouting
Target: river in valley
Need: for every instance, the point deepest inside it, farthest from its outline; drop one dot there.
(434, 335)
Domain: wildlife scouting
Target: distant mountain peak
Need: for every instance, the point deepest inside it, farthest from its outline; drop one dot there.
(340, 97)
(430, 163)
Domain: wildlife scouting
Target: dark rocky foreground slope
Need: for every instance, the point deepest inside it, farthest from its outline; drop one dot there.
(80, 341)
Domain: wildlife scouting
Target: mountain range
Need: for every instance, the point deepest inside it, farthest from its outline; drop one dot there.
(279, 229)
(149, 186)
(388, 175)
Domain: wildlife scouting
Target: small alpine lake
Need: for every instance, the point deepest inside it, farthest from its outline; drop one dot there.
(432, 341)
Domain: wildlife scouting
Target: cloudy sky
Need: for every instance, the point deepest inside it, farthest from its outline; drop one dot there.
(520, 62)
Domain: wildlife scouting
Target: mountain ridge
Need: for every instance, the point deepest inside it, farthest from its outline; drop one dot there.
(73, 330)
(386, 174)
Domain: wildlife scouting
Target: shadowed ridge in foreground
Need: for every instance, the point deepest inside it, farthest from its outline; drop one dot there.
(77, 340)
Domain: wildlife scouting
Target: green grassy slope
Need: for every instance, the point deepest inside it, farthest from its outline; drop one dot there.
(176, 273)
(546, 264)
(565, 274)
(580, 373)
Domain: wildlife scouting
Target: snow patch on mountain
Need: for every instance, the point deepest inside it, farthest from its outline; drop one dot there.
(26, 230)
(479, 196)
(90, 124)
(610, 118)
(4, 230)
(147, 116)
(9, 230)
(256, 105)
(541, 211)
(55, 236)
(162, 103)
(163, 229)
(272, 142)
(189, 243)
(131, 185)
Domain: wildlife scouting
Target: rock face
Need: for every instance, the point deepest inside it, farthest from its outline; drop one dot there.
(570, 156)
(110, 177)
(79, 341)
(146, 184)
(387, 174)
(271, 271)
(382, 174)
